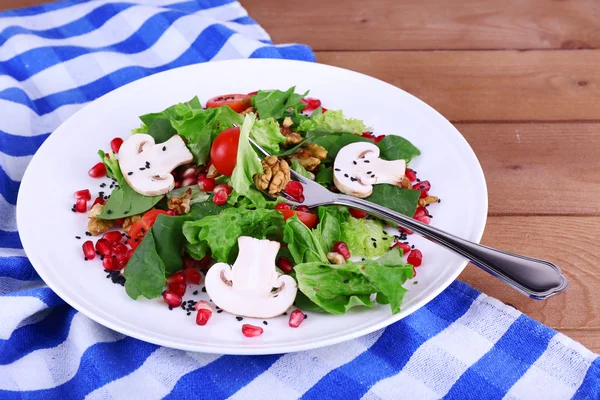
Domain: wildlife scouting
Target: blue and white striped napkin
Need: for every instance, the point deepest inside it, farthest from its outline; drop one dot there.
(57, 57)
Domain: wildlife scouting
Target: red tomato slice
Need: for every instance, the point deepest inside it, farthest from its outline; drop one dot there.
(139, 228)
(308, 219)
(237, 102)
(223, 153)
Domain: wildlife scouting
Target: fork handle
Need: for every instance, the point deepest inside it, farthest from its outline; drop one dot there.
(538, 279)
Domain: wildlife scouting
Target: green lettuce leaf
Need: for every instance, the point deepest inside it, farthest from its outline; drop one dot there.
(397, 148)
(296, 166)
(337, 288)
(267, 134)
(303, 244)
(275, 103)
(329, 230)
(365, 237)
(333, 121)
(247, 164)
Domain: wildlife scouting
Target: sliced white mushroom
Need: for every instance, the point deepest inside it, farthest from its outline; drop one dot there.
(251, 287)
(357, 167)
(147, 166)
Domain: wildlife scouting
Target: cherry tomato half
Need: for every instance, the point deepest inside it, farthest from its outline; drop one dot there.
(308, 219)
(139, 228)
(237, 102)
(223, 152)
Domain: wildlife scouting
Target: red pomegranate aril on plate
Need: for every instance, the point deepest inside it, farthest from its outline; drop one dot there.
(81, 205)
(285, 265)
(420, 212)
(251, 330)
(223, 188)
(89, 252)
(178, 288)
(103, 247)
(424, 219)
(357, 213)
(403, 246)
(98, 170)
(296, 318)
(220, 197)
(192, 276)
(206, 184)
(342, 248)
(176, 278)
(415, 258)
(172, 299)
(424, 187)
(295, 190)
(410, 175)
(283, 206)
(303, 209)
(119, 248)
(113, 237)
(83, 194)
(202, 305)
(98, 200)
(122, 259)
(203, 316)
(311, 103)
(379, 138)
(115, 144)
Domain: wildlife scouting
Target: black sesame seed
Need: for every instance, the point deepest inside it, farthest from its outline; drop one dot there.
(346, 175)
(171, 308)
(204, 290)
(352, 179)
(77, 237)
(164, 148)
(136, 240)
(369, 172)
(125, 212)
(219, 311)
(195, 292)
(188, 313)
(265, 322)
(85, 258)
(367, 161)
(337, 169)
(373, 239)
(97, 252)
(276, 296)
(285, 313)
(418, 180)
(143, 230)
(345, 280)
(130, 173)
(385, 238)
(305, 316)
(439, 200)
(375, 244)
(354, 162)
(239, 318)
(73, 209)
(373, 176)
(412, 247)
(109, 211)
(421, 187)
(142, 169)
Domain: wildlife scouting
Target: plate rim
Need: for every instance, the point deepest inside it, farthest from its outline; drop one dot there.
(271, 348)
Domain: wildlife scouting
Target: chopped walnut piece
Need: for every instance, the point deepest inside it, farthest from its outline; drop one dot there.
(96, 210)
(212, 172)
(275, 176)
(316, 151)
(287, 122)
(130, 221)
(304, 158)
(96, 226)
(336, 258)
(427, 200)
(181, 205)
(291, 138)
(405, 184)
(248, 110)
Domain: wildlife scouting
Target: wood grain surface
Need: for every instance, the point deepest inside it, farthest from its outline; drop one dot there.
(521, 81)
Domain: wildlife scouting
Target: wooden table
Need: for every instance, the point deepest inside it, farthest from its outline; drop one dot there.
(521, 81)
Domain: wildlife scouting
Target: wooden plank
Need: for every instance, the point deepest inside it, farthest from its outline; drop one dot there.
(489, 85)
(569, 242)
(9, 4)
(431, 24)
(539, 168)
(589, 338)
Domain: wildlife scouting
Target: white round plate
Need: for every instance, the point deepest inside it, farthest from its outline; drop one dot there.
(48, 227)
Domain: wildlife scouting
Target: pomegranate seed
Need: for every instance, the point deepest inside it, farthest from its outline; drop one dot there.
(410, 175)
(415, 258)
(206, 184)
(251, 330)
(103, 247)
(115, 144)
(283, 206)
(357, 213)
(379, 138)
(424, 219)
(296, 318)
(404, 230)
(403, 246)
(311, 104)
(83, 194)
(220, 197)
(120, 221)
(171, 213)
(99, 200)
(89, 252)
(176, 278)
(113, 237)
(107, 155)
(122, 259)
(342, 248)
(109, 263)
(119, 248)
(295, 190)
(189, 172)
(203, 316)
(420, 212)
(177, 185)
(98, 170)
(192, 275)
(172, 299)
(81, 205)
(303, 209)
(204, 264)
(368, 135)
(285, 265)
(223, 188)
(423, 186)
(202, 305)
(414, 271)
(177, 288)
(189, 181)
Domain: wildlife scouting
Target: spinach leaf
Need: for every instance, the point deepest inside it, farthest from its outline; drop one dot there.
(173, 112)
(290, 151)
(304, 245)
(404, 201)
(334, 142)
(145, 271)
(161, 130)
(397, 148)
(325, 176)
(337, 288)
(329, 230)
(169, 240)
(275, 103)
(123, 201)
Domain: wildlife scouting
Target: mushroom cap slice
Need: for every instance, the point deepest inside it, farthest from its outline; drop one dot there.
(357, 167)
(147, 166)
(251, 287)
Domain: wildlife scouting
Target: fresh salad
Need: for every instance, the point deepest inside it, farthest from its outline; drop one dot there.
(189, 201)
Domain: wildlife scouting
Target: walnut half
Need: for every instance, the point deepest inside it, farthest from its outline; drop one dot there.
(181, 205)
(275, 176)
(310, 156)
(96, 225)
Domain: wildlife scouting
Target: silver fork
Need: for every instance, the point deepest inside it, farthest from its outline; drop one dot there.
(535, 278)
